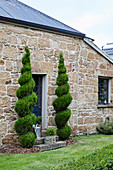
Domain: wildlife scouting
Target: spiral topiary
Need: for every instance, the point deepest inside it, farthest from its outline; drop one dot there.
(61, 103)
(26, 100)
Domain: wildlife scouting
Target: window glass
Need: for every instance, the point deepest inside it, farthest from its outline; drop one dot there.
(103, 91)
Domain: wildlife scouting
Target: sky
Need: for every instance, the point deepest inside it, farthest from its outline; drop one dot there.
(92, 17)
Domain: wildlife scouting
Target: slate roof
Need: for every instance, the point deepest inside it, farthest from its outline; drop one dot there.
(95, 47)
(108, 49)
(15, 11)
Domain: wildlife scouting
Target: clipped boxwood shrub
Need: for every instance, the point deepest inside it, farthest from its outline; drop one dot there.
(26, 100)
(62, 79)
(62, 118)
(24, 89)
(63, 100)
(61, 103)
(62, 90)
(24, 125)
(24, 106)
(25, 77)
(27, 140)
(106, 127)
(64, 133)
(98, 160)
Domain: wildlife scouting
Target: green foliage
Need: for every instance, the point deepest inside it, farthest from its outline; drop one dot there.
(26, 57)
(62, 117)
(39, 120)
(26, 89)
(62, 79)
(24, 124)
(61, 103)
(64, 133)
(106, 127)
(98, 160)
(26, 100)
(24, 106)
(25, 68)
(62, 69)
(27, 140)
(50, 131)
(25, 77)
(64, 89)
(61, 66)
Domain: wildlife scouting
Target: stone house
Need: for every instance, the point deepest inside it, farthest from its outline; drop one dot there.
(89, 69)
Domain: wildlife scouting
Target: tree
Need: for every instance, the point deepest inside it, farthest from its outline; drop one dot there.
(61, 103)
(26, 100)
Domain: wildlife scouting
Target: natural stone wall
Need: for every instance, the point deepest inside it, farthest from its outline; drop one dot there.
(83, 63)
(91, 65)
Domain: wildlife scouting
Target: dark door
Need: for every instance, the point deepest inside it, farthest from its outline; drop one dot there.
(37, 110)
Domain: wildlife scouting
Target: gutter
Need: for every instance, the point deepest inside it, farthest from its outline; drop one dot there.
(98, 49)
(35, 25)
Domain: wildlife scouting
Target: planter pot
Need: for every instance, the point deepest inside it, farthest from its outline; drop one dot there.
(50, 140)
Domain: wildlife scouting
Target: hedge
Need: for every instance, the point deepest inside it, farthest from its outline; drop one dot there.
(101, 159)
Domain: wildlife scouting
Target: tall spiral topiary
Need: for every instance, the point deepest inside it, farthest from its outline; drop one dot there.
(26, 100)
(61, 103)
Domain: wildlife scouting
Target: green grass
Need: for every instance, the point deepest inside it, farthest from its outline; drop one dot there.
(50, 159)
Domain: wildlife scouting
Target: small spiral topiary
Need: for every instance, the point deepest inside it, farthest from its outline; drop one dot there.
(61, 103)
(26, 100)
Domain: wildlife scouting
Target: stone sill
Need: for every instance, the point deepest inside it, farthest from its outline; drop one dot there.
(105, 106)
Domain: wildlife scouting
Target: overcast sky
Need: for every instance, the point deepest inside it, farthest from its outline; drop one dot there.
(92, 17)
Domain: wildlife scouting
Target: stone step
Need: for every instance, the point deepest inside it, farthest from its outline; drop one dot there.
(41, 140)
(46, 147)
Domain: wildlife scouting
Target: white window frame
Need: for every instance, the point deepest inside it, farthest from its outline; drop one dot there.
(109, 88)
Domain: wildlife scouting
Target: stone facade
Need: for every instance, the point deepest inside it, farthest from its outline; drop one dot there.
(83, 63)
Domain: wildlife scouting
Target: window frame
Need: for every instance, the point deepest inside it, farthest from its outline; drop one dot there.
(108, 90)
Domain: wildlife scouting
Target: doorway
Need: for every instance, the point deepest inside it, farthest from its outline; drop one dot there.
(37, 109)
(41, 87)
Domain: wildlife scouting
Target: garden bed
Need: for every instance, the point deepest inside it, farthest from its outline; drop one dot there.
(16, 148)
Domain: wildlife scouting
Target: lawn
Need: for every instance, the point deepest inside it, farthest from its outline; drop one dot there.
(50, 159)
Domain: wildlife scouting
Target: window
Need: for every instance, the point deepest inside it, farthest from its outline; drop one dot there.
(103, 91)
